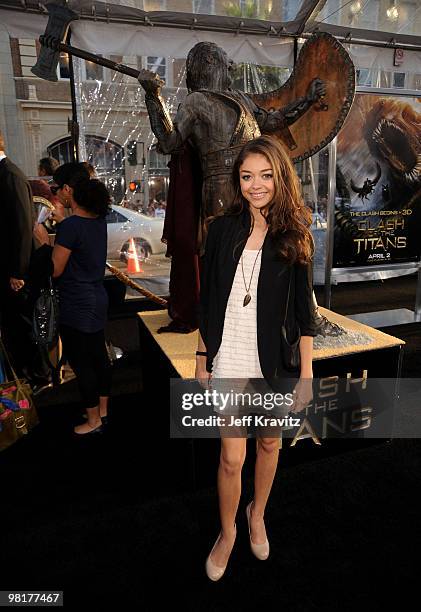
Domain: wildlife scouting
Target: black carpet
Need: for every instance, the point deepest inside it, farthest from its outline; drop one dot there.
(81, 520)
(119, 521)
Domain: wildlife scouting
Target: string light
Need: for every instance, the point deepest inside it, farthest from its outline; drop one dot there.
(393, 12)
(355, 7)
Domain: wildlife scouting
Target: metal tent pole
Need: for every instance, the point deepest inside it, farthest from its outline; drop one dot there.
(73, 122)
(330, 222)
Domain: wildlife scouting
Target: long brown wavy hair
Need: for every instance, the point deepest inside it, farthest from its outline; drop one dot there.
(287, 216)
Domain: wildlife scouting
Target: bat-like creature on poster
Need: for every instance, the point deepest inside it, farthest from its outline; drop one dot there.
(378, 182)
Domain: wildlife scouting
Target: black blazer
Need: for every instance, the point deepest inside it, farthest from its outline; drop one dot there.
(17, 215)
(225, 242)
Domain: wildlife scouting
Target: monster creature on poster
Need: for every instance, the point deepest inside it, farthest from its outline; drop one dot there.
(378, 182)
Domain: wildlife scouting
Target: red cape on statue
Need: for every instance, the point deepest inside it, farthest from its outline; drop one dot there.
(181, 230)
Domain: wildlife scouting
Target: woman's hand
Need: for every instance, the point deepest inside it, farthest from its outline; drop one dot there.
(16, 283)
(303, 393)
(41, 234)
(201, 374)
(58, 214)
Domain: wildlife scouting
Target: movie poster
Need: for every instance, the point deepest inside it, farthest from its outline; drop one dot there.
(378, 182)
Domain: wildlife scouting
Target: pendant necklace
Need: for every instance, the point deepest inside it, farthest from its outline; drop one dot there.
(247, 297)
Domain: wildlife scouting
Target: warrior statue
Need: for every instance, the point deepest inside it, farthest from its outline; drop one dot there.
(216, 120)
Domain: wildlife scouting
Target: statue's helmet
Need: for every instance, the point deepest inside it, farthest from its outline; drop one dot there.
(208, 67)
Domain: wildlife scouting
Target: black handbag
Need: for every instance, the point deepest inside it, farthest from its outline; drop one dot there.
(290, 351)
(45, 318)
(44, 324)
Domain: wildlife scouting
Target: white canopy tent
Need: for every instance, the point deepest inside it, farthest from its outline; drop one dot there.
(124, 27)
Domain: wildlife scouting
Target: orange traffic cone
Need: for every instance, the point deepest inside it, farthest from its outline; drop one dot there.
(133, 265)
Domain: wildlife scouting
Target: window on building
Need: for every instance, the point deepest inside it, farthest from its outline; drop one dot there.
(416, 81)
(63, 66)
(90, 70)
(158, 160)
(62, 151)
(399, 79)
(158, 176)
(364, 77)
(158, 65)
(93, 72)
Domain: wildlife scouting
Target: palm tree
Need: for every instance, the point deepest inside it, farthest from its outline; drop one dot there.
(249, 10)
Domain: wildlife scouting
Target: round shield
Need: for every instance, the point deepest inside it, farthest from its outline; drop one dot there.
(322, 57)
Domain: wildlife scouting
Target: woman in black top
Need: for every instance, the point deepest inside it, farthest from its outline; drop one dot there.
(79, 257)
(267, 217)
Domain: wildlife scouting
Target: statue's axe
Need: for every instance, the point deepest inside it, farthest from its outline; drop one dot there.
(59, 20)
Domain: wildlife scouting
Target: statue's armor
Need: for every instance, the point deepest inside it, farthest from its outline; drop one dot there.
(221, 161)
(218, 124)
(217, 163)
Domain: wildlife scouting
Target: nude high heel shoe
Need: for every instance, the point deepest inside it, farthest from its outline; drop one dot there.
(214, 572)
(261, 551)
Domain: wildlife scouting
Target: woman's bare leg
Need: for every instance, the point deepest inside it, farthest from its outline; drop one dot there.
(233, 453)
(264, 474)
(103, 406)
(94, 421)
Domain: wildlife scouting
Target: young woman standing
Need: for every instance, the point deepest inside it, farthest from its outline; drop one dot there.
(78, 259)
(256, 274)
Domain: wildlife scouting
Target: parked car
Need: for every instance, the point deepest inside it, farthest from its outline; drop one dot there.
(124, 224)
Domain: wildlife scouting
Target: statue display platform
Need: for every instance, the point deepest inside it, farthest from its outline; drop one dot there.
(168, 356)
(180, 349)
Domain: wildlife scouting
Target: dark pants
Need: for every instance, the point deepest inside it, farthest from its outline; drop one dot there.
(88, 358)
(16, 308)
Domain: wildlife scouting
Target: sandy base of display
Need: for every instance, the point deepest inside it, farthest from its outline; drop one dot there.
(180, 349)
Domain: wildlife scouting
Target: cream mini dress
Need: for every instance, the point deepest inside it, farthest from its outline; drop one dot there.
(238, 355)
